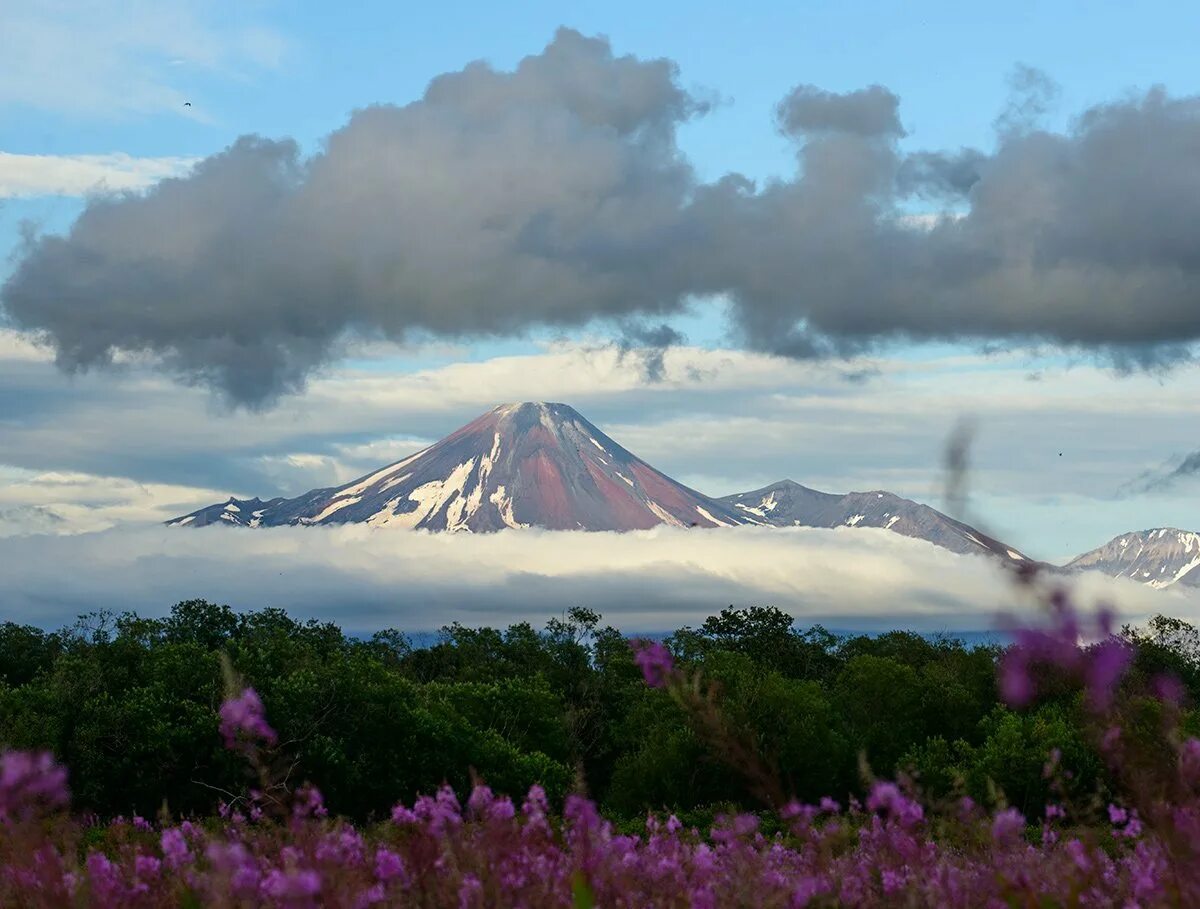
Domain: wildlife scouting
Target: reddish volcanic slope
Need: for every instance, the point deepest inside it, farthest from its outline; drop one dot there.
(519, 465)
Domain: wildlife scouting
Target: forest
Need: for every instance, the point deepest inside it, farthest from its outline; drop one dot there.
(129, 705)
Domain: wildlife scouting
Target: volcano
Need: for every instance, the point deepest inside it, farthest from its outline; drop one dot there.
(518, 465)
(543, 465)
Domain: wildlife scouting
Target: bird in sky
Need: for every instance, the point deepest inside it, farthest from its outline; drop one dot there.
(187, 103)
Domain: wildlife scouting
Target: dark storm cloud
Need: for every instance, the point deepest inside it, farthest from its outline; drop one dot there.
(556, 195)
(1080, 238)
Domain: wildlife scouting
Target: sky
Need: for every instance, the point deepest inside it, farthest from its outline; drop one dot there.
(255, 248)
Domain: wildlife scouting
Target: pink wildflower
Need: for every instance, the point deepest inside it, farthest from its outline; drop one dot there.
(174, 848)
(244, 717)
(29, 781)
(655, 662)
(296, 884)
(388, 865)
(1007, 827)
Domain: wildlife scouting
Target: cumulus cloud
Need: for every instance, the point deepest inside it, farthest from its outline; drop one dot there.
(24, 176)
(1078, 237)
(649, 580)
(552, 194)
(72, 502)
(555, 194)
(648, 344)
(809, 110)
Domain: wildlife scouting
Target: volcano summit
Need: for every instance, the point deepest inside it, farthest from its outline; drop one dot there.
(518, 465)
(544, 465)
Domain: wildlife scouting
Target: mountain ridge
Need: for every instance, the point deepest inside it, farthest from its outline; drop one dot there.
(1159, 557)
(518, 465)
(543, 464)
(788, 503)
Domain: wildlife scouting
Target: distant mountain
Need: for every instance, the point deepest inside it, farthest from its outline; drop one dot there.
(787, 504)
(518, 465)
(544, 465)
(1161, 557)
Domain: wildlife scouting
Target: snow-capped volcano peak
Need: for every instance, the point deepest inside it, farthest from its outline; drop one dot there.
(522, 464)
(542, 464)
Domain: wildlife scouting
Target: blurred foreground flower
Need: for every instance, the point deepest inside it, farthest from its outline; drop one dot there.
(30, 782)
(655, 662)
(243, 719)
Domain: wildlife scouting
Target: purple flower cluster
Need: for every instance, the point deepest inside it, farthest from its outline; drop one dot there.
(244, 720)
(1060, 647)
(490, 852)
(30, 781)
(655, 662)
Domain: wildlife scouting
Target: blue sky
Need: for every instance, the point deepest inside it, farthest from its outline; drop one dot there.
(91, 82)
(947, 61)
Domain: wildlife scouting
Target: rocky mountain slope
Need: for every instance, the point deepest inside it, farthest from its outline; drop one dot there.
(518, 465)
(1161, 557)
(786, 504)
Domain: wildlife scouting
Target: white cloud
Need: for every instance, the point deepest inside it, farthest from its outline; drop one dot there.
(26, 176)
(67, 502)
(367, 578)
(18, 348)
(110, 58)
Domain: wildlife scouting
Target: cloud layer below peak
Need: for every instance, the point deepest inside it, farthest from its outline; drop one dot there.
(366, 579)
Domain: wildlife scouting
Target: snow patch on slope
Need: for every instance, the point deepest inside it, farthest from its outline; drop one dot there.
(429, 497)
(336, 505)
(362, 485)
(394, 481)
(716, 521)
(504, 505)
(663, 515)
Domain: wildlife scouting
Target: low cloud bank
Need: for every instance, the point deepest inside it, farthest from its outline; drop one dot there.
(365, 578)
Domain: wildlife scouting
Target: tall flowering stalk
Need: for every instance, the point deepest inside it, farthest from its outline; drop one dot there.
(701, 702)
(244, 728)
(1154, 765)
(244, 722)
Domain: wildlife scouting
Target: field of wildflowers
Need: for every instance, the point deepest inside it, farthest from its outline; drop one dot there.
(275, 844)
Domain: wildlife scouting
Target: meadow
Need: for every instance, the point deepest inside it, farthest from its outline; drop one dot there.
(218, 758)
